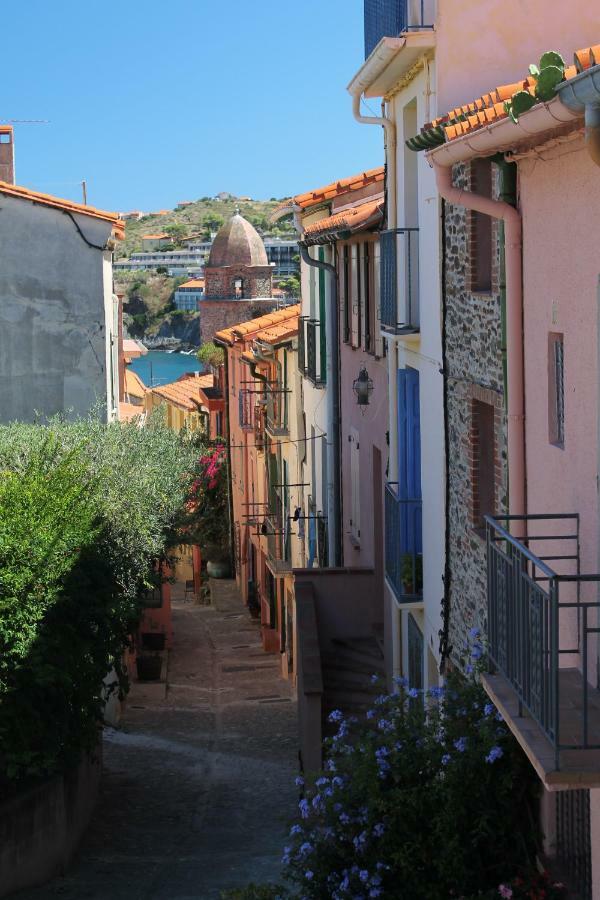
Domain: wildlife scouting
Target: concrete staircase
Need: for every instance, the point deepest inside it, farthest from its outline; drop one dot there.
(348, 666)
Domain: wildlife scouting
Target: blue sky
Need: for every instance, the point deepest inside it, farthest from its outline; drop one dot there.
(155, 102)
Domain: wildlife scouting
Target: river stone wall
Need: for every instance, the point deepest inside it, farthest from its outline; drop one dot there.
(475, 373)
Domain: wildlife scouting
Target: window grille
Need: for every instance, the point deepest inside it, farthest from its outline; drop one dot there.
(573, 840)
(560, 391)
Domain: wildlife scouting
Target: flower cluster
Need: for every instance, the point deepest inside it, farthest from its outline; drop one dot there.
(370, 824)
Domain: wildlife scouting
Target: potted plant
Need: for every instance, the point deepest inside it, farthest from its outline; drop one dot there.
(412, 573)
(149, 666)
(153, 640)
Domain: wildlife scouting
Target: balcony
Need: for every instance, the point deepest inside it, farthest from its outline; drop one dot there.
(311, 350)
(399, 285)
(276, 413)
(403, 546)
(278, 545)
(542, 645)
(247, 401)
(390, 18)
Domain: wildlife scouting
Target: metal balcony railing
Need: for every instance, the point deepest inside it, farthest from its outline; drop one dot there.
(403, 546)
(247, 401)
(540, 623)
(276, 415)
(389, 18)
(399, 284)
(315, 354)
(278, 545)
(302, 344)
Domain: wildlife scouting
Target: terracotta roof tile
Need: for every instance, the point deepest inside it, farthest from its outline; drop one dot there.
(184, 392)
(335, 189)
(154, 237)
(192, 283)
(248, 330)
(66, 205)
(490, 107)
(282, 331)
(354, 219)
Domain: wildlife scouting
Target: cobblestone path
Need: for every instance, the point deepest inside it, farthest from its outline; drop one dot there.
(198, 788)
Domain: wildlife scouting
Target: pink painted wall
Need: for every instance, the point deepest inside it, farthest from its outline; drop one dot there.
(491, 42)
(241, 484)
(561, 266)
(371, 423)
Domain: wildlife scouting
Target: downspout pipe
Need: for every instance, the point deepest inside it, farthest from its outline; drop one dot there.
(582, 95)
(498, 209)
(389, 127)
(334, 512)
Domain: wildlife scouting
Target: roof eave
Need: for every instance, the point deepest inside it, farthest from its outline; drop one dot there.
(390, 61)
(504, 135)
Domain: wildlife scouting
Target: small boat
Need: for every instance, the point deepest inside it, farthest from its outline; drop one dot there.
(187, 352)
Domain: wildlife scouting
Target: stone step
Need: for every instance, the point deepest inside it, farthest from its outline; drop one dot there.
(345, 662)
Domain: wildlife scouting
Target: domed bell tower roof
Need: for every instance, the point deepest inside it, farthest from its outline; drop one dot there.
(238, 243)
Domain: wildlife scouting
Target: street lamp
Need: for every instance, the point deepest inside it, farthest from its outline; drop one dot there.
(362, 387)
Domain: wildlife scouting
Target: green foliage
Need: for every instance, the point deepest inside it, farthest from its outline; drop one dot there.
(431, 798)
(210, 354)
(209, 499)
(548, 76)
(256, 892)
(85, 510)
(291, 285)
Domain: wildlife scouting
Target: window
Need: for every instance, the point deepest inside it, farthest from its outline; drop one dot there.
(483, 461)
(238, 287)
(4, 138)
(556, 390)
(481, 229)
(346, 282)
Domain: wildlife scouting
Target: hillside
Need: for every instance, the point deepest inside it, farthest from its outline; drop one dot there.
(202, 216)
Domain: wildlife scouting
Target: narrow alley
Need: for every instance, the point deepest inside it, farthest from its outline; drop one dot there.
(198, 787)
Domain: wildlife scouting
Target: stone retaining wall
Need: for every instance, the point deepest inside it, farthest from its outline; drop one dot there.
(41, 828)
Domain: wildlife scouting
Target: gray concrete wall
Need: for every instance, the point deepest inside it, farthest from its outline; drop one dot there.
(41, 829)
(53, 327)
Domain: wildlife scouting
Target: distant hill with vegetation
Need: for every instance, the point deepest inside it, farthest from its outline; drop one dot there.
(202, 217)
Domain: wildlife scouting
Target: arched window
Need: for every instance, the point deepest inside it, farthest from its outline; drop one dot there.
(238, 288)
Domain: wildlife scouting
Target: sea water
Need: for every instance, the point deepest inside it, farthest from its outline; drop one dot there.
(159, 367)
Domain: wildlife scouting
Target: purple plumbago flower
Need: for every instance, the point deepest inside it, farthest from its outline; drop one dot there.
(299, 781)
(305, 848)
(378, 829)
(494, 754)
(474, 633)
(400, 681)
(344, 818)
(477, 651)
(385, 725)
(370, 714)
(398, 745)
(460, 744)
(413, 693)
(330, 766)
(360, 840)
(469, 669)
(309, 875)
(338, 781)
(446, 759)
(304, 808)
(436, 692)
(374, 678)
(488, 709)
(336, 715)
(296, 829)
(363, 875)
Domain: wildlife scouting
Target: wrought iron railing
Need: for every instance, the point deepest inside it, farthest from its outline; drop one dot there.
(538, 619)
(276, 421)
(247, 401)
(389, 18)
(302, 344)
(315, 358)
(278, 544)
(399, 285)
(403, 546)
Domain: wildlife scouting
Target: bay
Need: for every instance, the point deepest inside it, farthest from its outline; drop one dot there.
(159, 367)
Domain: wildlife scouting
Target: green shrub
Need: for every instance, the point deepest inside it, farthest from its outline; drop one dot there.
(432, 798)
(85, 511)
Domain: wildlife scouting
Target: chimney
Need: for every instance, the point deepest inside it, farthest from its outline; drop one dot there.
(7, 154)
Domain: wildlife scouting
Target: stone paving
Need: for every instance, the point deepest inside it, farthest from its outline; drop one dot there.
(198, 787)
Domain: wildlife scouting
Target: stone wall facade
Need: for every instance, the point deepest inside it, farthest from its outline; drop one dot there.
(475, 375)
(218, 314)
(220, 281)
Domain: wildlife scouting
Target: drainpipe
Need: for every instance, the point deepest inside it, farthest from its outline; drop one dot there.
(334, 511)
(389, 127)
(582, 94)
(498, 209)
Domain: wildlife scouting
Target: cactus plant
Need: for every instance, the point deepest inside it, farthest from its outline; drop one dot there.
(548, 75)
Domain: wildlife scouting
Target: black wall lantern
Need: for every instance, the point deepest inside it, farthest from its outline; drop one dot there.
(362, 387)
